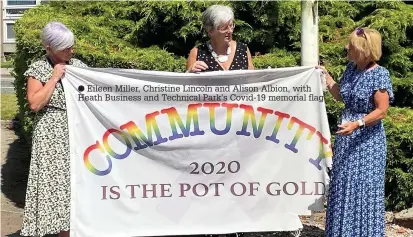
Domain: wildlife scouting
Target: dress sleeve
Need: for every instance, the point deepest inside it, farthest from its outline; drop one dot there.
(36, 70)
(78, 63)
(382, 81)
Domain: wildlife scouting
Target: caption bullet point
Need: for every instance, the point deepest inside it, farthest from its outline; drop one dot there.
(81, 88)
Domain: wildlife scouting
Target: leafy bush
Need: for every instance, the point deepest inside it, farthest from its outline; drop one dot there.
(403, 91)
(276, 58)
(399, 172)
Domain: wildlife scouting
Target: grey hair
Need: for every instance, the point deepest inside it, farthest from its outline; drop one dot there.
(216, 15)
(57, 36)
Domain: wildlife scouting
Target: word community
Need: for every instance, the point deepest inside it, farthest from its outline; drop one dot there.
(134, 137)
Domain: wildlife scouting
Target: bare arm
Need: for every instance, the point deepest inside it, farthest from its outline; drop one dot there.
(191, 58)
(334, 88)
(381, 100)
(250, 64)
(38, 94)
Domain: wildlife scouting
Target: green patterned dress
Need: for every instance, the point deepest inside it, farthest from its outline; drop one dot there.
(47, 206)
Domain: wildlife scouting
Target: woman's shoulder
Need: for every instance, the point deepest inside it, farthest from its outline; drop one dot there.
(39, 65)
(39, 69)
(382, 70)
(77, 62)
(241, 47)
(241, 44)
(39, 62)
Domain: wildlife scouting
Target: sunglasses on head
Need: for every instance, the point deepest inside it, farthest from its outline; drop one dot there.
(360, 32)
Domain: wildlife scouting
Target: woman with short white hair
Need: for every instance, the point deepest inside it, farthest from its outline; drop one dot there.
(221, 53)
(47, 206)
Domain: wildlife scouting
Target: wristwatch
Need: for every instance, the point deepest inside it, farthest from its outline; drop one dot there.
(361, 123)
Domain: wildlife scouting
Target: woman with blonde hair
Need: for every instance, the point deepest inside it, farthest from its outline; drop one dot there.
(356, 196)
(47, 206)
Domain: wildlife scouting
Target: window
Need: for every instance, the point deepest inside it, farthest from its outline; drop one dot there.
(15, 11)
(8, 32)
(20, 2)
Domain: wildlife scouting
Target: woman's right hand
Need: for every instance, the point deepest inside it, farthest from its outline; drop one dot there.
(332, 86)
(198, 66)
(328, 77)
(58, 71)
(322, 68)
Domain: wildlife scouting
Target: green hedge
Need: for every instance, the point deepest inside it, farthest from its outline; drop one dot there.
(399, 172)
(158, 36)
(275, 59)
(403, 91)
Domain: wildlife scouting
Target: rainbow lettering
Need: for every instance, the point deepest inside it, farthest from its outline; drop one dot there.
(191, 127)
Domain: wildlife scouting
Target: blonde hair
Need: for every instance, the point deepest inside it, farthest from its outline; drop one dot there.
(368, 43)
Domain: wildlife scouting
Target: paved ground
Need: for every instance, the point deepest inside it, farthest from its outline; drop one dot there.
(14, 170)
(6, 81)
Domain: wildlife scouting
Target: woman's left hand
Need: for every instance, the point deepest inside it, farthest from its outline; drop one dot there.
(347, 128)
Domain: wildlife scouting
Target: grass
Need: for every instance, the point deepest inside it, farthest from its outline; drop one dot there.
(8, 106)
(7, 64)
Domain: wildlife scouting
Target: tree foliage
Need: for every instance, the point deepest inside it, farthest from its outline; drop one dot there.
(158, 35)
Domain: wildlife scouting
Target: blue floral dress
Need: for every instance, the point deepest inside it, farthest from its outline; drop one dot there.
(356, 196)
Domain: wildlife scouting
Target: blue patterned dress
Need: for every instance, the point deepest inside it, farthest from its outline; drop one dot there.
(356, 197)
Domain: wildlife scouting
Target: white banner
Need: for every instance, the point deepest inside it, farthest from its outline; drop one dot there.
(159, 153)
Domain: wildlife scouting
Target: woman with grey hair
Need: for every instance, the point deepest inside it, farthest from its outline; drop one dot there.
(47, 206)
(222, 53)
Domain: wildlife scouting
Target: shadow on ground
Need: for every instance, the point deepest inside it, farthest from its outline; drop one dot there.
(17, 234)
(307, 231)
(15, 171)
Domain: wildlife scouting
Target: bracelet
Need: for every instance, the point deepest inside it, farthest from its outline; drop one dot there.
(361, 123)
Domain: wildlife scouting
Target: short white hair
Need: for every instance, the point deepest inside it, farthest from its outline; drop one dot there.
(57, 36)
(216, 15)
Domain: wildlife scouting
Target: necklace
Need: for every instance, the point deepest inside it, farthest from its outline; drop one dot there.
(220, 58)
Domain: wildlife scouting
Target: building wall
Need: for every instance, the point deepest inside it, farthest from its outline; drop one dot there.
(1, 32)
(11, 10)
